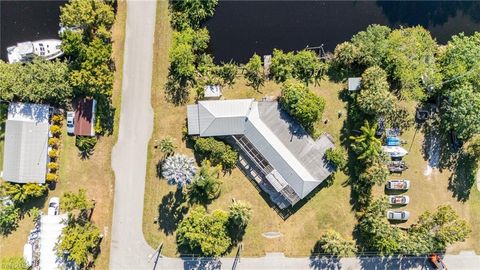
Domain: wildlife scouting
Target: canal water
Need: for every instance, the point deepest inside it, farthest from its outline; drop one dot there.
(240, 28)
(27, 21)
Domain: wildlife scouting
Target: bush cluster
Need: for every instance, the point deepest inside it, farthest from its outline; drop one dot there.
(217, 152)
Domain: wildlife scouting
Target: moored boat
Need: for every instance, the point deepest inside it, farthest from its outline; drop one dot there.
(47, 49)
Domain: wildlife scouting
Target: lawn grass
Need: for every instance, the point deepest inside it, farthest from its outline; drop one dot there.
(93, 174)
(429, 192)
(329, 208)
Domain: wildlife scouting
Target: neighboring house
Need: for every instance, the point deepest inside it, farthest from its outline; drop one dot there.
(26, 143)
(51, 227)
(85, 117)
(290, 160)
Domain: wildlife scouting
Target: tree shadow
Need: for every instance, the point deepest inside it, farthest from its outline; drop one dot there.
(105, 115)
(201, 263)
(171, 211)
(463, 178)
(325, 263)
(393, 262)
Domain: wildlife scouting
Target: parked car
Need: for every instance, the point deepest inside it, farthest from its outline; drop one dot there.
(398, 199)
(70, 122)
(398, 215)
(437, 262)
(398, 184)
(54, 206)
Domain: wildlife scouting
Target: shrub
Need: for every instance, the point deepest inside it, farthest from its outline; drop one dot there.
(51, 177)
(9, 217)
(205, 232)
(55, 130)
(333, 243)
(57, 119)
(53, 154)
(179, 170)
(53, 166)
(205, 186)
(301, 103)
(217, 152)
(337, 157)
(53, 142)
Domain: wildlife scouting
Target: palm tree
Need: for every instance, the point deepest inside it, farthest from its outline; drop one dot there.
(366, 145)
(206, 186)
(167, 147)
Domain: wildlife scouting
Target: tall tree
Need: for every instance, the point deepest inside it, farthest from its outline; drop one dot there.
(206, 186)
(240, 214)
(332, 243)
(462, 109)
(77, 202)
(410, 59)
(167, 146)
(375, 98)
(9, 217)
(308, 68)
(281, 67)
(191, 13)
(205, 232)
(301, 103)
(80, 243)
(87, 14)
(253, 72)
(366, 145)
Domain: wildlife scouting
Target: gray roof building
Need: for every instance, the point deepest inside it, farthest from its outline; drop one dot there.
(26, 143)
(291, 160)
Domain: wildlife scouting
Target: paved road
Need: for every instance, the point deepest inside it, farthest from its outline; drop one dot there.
(129, 249)
(276, 261)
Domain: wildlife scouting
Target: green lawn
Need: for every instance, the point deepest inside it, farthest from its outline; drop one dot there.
(329, 208)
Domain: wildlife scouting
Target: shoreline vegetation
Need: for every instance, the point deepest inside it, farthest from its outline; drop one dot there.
(401, 70)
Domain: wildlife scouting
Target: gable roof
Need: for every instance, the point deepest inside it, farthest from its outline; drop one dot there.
(85, 117)
(26, 143)
(218, 118)
(296, 157)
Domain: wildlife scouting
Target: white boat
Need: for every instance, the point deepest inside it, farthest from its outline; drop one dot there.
(395, 151)
(25, 51)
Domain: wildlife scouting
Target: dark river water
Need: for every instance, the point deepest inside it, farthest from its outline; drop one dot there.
(240, 28)
(27, 21)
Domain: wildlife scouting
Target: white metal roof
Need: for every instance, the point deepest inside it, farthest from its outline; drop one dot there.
(26, 143)
(218, 118)
(298, 161)
(50, 231)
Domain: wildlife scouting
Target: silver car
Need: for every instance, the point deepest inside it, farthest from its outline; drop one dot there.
(70, 122)
(398, 184)
(398, 199)
(398, 215)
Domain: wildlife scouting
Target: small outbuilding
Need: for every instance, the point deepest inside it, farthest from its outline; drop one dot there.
(354, 83)
(213, 92)
(85, 109)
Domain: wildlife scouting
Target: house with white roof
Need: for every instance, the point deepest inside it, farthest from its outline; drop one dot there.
(26, 143)
(290, 160)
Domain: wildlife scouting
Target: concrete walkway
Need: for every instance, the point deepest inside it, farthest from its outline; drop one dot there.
(129, 250)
